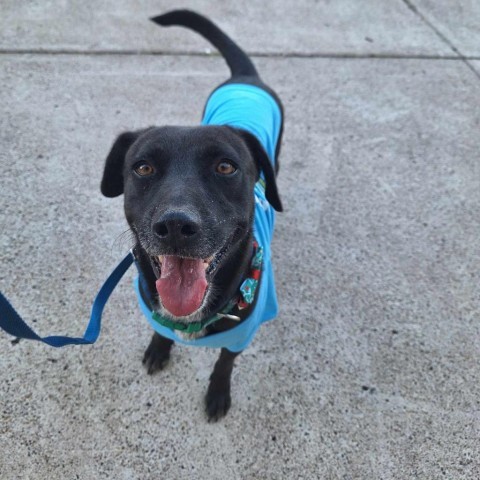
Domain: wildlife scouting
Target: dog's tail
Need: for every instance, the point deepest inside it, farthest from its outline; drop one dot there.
(237, 60)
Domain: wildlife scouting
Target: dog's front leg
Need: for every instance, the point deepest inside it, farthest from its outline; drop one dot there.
(157, 354)
(218, 398)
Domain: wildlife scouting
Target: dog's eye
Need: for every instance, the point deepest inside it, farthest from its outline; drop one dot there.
(143, 169)
(225, 168)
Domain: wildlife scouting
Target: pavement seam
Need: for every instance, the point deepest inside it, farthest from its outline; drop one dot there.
(465, 59)
(183, 53)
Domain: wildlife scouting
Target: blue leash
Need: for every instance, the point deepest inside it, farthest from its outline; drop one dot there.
(12, 323)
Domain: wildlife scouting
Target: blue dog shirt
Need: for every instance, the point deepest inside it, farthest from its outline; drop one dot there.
(255, 110)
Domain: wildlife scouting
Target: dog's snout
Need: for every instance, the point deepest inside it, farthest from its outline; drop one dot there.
(176, 227)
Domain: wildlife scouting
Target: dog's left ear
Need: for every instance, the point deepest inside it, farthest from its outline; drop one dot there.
(112, 181)
(265, 165)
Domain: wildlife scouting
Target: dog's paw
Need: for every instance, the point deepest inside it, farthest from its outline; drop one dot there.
(155, 359)
(157, 354)
(217, 403)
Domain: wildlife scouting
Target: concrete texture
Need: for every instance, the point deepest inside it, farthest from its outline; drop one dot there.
(371, 369)
(457, 21)
(289, 26)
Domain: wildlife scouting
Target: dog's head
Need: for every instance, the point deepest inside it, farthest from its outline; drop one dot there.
(189, 201)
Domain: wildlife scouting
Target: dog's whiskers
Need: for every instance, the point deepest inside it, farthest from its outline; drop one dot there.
(127, 237)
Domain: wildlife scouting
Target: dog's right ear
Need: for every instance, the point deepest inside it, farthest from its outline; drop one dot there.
(112, 181)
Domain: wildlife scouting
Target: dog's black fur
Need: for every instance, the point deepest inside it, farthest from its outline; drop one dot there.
(184, 207)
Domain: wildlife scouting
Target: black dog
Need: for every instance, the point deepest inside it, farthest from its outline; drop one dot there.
(191, 200)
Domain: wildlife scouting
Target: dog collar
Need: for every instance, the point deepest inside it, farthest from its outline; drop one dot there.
(245, 298)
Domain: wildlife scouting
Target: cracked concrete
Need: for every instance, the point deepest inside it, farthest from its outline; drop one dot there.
(437, 27)
(371, 369)
(457, 21)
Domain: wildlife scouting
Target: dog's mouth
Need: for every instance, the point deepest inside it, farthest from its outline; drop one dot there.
(182, 282)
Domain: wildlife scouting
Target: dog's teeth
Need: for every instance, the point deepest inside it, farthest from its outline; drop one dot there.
(160, 259)
(207, 262)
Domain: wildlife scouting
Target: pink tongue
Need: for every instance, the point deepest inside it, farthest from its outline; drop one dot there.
(182, 285)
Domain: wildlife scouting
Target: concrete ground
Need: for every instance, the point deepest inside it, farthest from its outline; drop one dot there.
(371, 370)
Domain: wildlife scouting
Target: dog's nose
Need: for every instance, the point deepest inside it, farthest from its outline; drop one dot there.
(176, 227)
